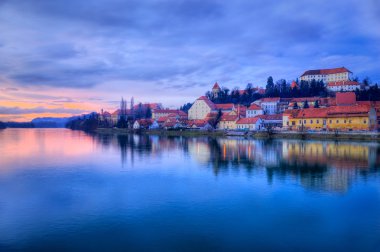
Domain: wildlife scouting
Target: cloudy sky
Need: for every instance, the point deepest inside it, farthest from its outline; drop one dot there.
(64, 57)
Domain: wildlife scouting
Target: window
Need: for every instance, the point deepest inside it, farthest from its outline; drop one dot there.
(293, 123)
(349, 121)
(345, 121)
(337, 121)
(304, 121)
(300, 122)
(330, 121)
(317, 121)
(311, 121)
(365, 121)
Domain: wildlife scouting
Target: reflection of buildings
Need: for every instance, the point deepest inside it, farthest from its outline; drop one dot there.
(322, 165)
(337, 155)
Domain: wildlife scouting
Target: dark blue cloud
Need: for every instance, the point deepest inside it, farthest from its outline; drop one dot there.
(83, 44)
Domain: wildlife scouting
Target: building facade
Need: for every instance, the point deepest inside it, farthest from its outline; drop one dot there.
(253, 110)
(327, 75)
(346, 85)
(201, 108)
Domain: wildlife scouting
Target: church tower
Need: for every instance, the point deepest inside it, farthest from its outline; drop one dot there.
(215, 90)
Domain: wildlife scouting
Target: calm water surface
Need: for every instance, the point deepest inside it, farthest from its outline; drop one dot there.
(63, 190)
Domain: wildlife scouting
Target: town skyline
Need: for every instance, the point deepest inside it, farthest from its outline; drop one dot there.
(65, 59)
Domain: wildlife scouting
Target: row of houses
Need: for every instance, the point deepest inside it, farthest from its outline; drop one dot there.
(342, 112)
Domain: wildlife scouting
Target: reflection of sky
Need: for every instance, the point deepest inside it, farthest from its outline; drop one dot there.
(166, 197)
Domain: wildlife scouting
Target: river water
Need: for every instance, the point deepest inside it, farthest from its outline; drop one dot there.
(63, 190)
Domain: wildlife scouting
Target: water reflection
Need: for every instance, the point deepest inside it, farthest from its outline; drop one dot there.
(67, 190)
(320, 165)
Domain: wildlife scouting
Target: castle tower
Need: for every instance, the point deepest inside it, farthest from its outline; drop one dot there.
(215, 90)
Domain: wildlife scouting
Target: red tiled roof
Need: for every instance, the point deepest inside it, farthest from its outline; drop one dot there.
(166, 111)
(105, 113)
(343, 83)
(302, 99)
(227, 106)
(228, 117)
(335, 111)
(271, 99)
(250, 120)
(348, 98)
(212, 115)
(261, 91)
(241, 92)
(145, 122)
(198, 123)
(294, 84)
(347, 110)
(270, 117)
(162, 119)
(207, 101)
(254, 107)
(326, 71)
(216, 86)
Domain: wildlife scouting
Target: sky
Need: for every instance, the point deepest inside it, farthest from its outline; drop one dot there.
(66, 57)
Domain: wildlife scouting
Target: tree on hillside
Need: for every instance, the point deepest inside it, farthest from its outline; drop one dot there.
(269, 87)
(295, 105)
(185, 108)
(316, 104)
(306, 104)
(148, 113)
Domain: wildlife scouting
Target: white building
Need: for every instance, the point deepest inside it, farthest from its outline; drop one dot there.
(253, 110)
(201, 108)
(343, 86)
(327, 75)
(269, 105)
(253, 123)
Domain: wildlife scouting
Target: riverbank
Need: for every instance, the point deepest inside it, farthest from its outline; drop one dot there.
(356, 136)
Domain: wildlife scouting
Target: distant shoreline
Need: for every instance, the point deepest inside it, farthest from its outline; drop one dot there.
(357, 136)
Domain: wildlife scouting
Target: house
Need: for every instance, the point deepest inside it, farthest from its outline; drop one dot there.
(201, 108)
(174, 123)
(345, 85)
(251, 123)
(154, 125)
(269, 105)
(142, 124)
(226, 107)
(354, 117)
(345, 99)
(199, 124)
(228, 121)
(253, 110)
(157, 113)
(271, 121)
(327, 75)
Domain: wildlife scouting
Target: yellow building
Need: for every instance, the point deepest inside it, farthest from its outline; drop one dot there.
(228, 121)
(356, 117)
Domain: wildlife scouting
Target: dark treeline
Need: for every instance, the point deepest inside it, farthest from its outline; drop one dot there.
(370, 94)
(19, 125)
(235, 96)
(2, 125)
(86, 123)
(297, 89)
